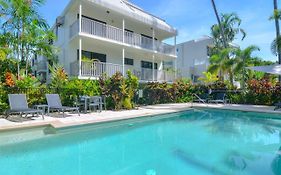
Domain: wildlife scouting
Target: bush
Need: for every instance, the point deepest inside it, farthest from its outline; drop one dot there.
(120, 91)
(261, 92)
(74, 88)
(157, 93)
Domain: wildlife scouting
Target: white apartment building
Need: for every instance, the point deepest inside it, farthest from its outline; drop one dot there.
(109, 36)
(193, 58)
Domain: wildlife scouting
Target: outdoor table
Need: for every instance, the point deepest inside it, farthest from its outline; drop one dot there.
(41, 107)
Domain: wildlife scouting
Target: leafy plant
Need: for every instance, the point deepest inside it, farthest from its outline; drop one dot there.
(59, 76)
(209, 78)
(120, 91)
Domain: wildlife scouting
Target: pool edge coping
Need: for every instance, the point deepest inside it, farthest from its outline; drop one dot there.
(60, 125)
(56, 124)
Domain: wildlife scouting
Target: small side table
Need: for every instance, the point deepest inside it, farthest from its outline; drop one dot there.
(41, 107)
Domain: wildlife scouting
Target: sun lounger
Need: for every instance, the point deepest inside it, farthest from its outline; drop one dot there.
(18, 105)
(203, 98)
(277, 106)
(54, 104)
(219, 98)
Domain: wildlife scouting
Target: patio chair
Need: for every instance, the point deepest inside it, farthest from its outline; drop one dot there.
(95, 102)
(54, 104)
(103, 102)
(18, 105)
(219, 98)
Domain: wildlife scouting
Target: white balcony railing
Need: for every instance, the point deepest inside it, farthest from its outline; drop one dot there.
(95, 69)
(90, 69)
(96, 28)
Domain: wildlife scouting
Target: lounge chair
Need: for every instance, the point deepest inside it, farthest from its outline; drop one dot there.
(96, 102)
(277, 106)
(219, 98)
(18, 105)
(203, 98)
(54, 104)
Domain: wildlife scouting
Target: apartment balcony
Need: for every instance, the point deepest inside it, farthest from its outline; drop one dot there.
(94, 70)
(106, 31)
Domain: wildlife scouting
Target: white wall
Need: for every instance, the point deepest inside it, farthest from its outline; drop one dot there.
(193, 58)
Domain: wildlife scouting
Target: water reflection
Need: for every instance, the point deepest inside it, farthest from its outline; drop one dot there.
(276, 163)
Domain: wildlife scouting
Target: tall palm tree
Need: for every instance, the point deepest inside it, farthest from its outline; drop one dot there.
(221, 29)
(231, 26)
(22, 20)
(276, 44)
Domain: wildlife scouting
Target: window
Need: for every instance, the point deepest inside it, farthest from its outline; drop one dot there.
(94, 19)
(92, 56)
(148, 65)
(129, 61)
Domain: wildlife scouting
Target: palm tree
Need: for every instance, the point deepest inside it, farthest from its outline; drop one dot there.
(221, 62)
(277, 27)
(21, 21)
(231, 26)
(242, 59)
(276, 44)
(221, 29)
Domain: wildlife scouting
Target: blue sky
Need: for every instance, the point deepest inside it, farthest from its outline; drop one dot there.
(193, 18)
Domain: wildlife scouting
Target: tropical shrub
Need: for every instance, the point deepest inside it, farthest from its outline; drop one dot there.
(74, 88)
(183, 90)
(120, 91)
(261, 92)
(157, 93)
(59, 77)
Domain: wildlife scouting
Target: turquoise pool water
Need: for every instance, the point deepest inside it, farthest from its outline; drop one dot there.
(203, 142)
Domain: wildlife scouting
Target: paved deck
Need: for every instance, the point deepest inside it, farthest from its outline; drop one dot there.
(105, 116)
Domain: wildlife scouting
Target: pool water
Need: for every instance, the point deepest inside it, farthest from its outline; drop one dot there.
(199, 142)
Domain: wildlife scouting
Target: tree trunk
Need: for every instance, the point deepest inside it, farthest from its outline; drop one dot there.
(277, 27)
(221, 31)
(231, 78)
(219, 23)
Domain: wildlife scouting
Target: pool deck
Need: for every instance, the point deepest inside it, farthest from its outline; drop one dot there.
(73, 119)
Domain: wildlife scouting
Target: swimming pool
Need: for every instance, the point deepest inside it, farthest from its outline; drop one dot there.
(199, 142)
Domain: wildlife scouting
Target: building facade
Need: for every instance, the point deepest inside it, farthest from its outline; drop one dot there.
(98, 37)
(193, 58)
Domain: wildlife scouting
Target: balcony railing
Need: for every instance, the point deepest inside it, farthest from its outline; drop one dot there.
(90, 69)
(95, 69)
(96, 28)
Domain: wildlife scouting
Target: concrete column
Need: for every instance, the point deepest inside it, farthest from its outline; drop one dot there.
(123, 61)
(80, 57)
(153, 39)
(162, 71)
(80, 18)
(175, 61)
(123, 31)
(153, 68)
(175, 44)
